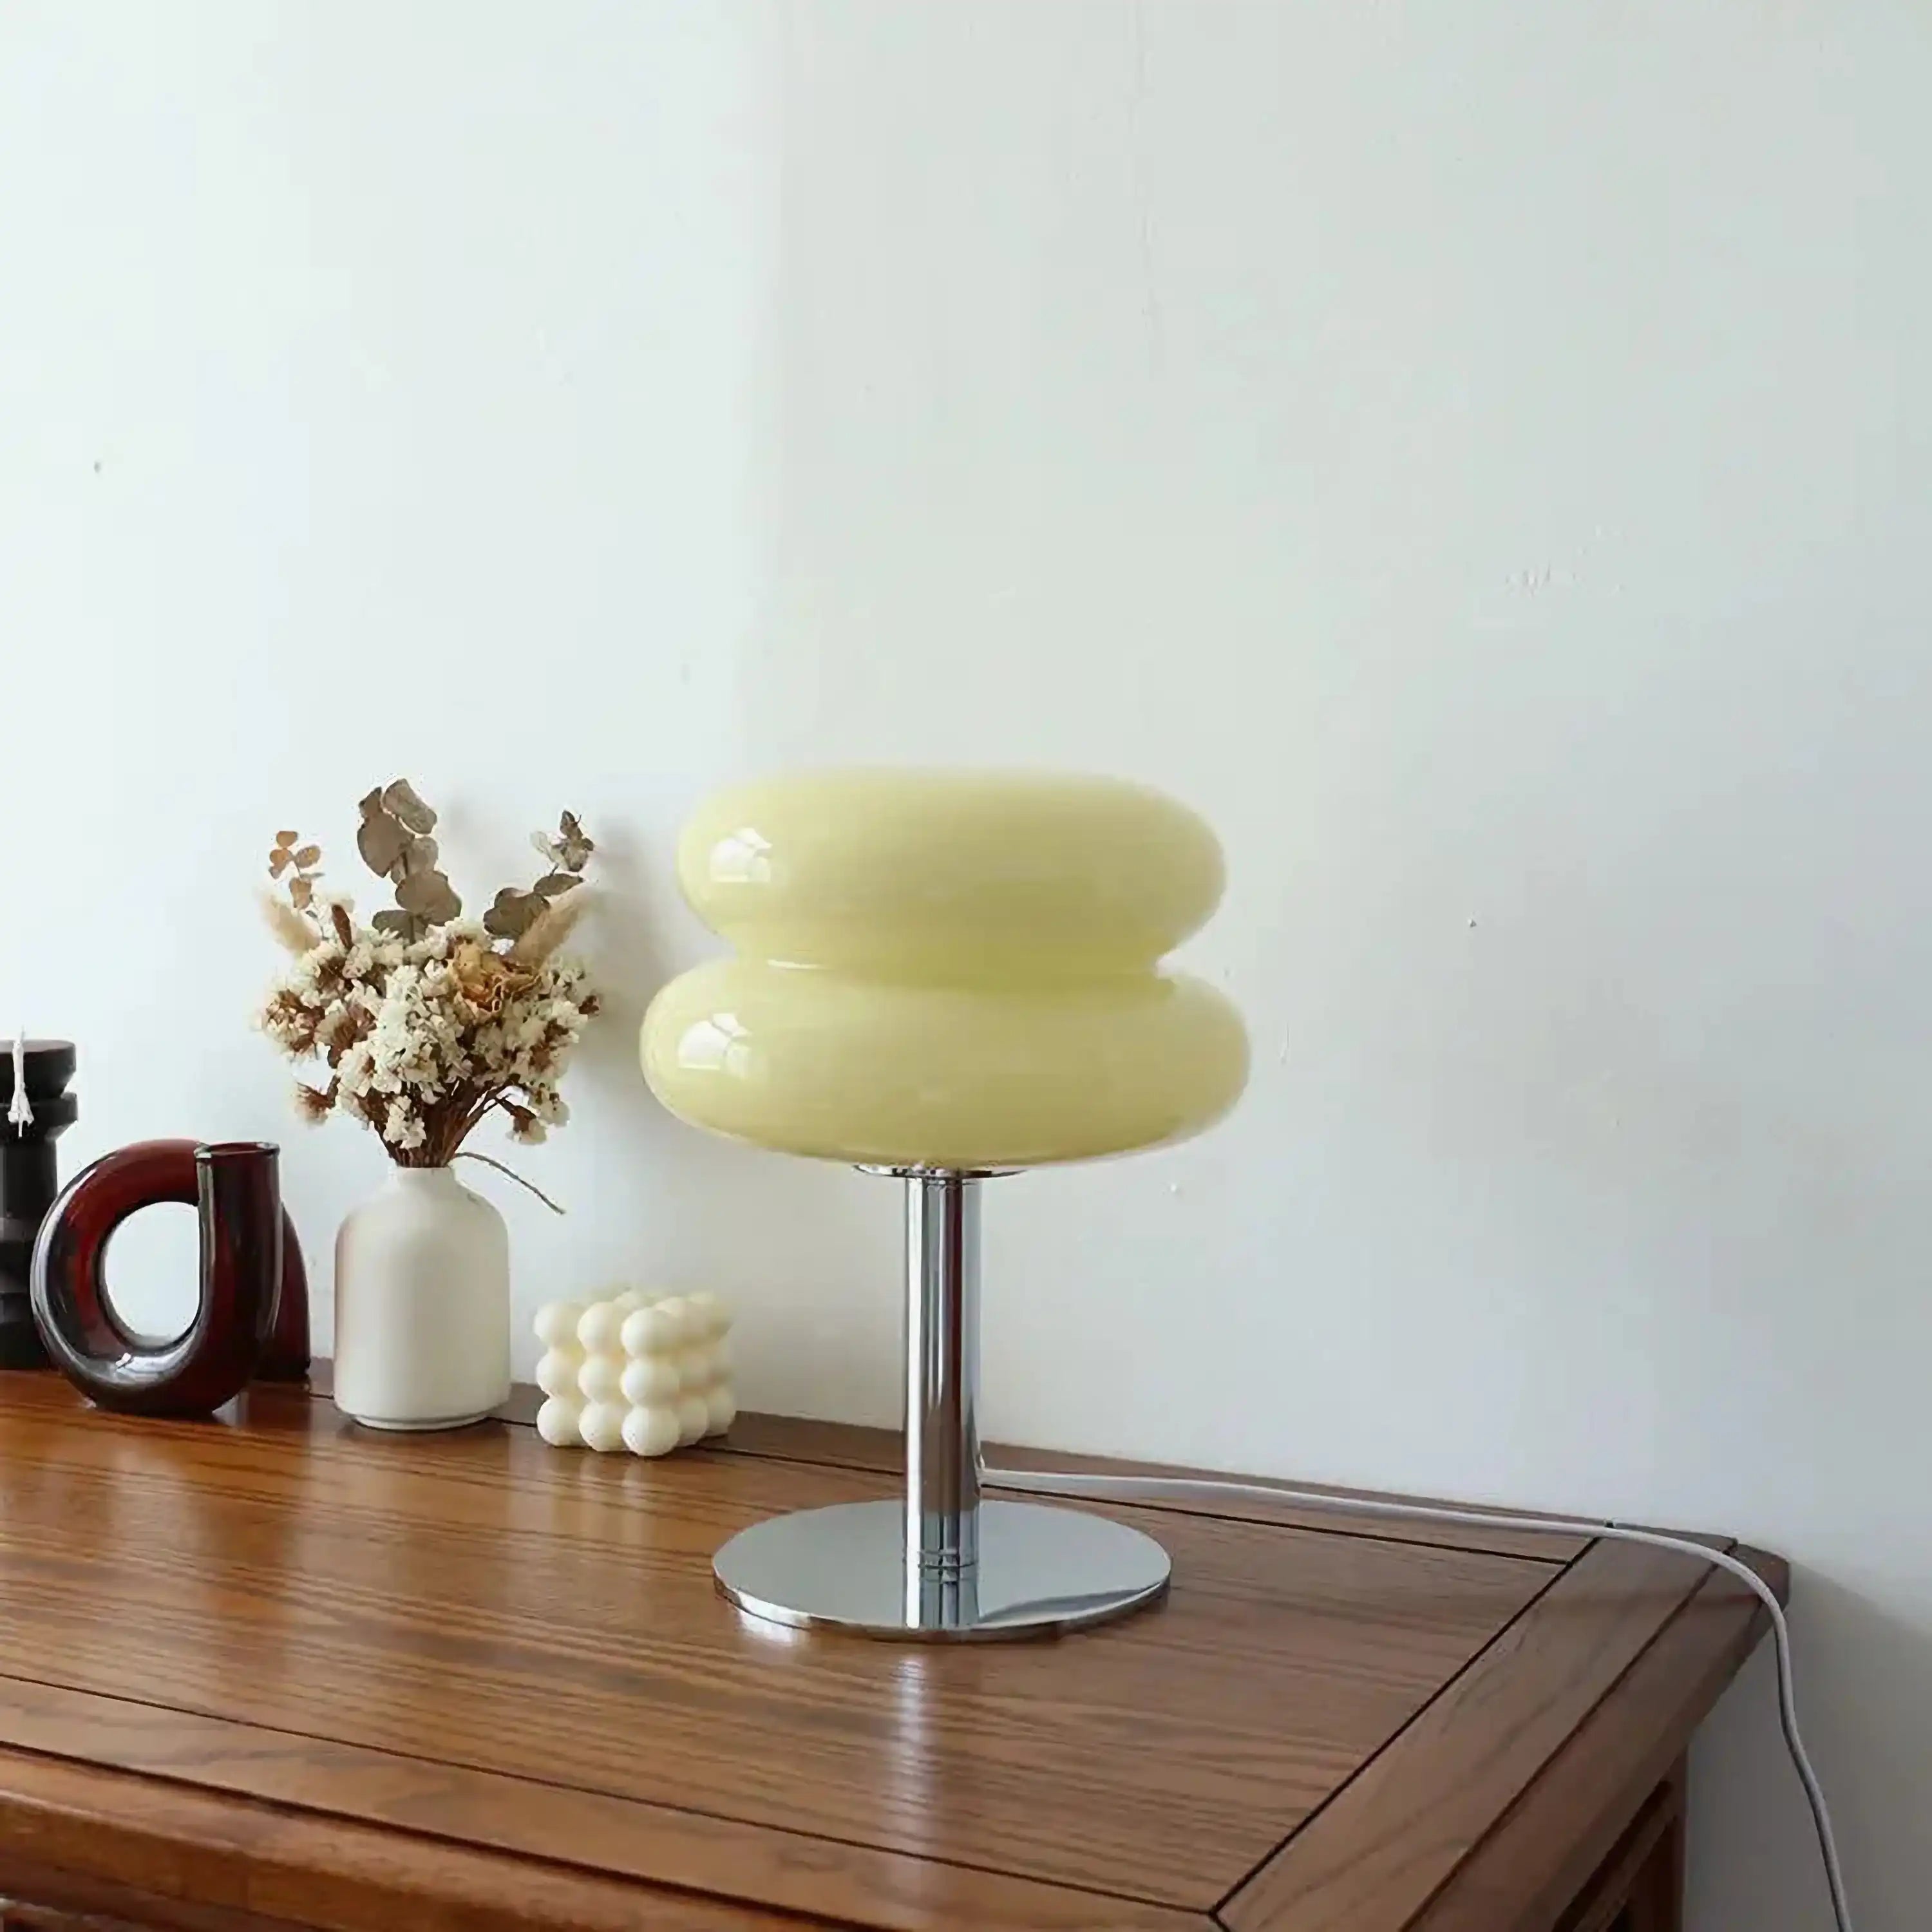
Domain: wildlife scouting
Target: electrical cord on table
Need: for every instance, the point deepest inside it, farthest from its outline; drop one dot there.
(1159, 1489)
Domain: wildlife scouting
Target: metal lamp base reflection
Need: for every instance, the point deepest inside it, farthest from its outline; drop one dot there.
(1040, 1570)
(940, 1564)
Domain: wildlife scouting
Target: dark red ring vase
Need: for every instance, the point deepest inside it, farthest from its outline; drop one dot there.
(251, 1313)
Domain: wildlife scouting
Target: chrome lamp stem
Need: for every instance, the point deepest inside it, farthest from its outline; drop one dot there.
(942, 1394)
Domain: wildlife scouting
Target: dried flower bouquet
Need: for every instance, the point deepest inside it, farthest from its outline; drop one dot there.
(427, 1022)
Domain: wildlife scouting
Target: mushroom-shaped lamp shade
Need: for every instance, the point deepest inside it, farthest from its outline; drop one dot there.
(946, 974)
(946, 969)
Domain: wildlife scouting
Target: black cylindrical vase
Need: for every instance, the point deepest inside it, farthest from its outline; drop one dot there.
(28, 1181)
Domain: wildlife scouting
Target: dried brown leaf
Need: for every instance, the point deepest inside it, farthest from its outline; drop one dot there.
(380, 840)
(388, 920)
(338, 917)
(419, 855)
(285, 839)
(278, 861)
(401, 800)
(512, 913)
(575, 846)
(429, 896)
(554, 885)
(309, 857)
(302, 892)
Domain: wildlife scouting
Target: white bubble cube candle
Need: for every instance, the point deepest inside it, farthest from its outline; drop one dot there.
(647, 1373)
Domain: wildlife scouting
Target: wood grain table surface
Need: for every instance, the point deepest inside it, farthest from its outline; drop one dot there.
(273, 1669)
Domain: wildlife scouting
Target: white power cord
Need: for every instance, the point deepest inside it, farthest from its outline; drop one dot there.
(1159, 1489)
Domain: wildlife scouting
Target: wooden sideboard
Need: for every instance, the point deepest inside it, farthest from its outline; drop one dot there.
(272, 1672)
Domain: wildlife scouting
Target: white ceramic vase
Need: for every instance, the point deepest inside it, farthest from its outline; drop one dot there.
(422, 1305)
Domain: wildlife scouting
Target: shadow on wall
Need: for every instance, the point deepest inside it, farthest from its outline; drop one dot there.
(1864, 1698)
(768, 1231)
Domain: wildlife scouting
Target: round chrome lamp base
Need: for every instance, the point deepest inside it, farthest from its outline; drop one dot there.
(1039, 1570)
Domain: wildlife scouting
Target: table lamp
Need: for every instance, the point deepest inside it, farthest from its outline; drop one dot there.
(945, 976)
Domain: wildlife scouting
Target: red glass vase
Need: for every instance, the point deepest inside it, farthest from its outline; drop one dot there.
(251, 1313)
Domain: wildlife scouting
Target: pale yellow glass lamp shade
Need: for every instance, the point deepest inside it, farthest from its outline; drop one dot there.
(953, 970)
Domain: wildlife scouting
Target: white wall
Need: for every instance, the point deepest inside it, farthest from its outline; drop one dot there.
(1481, 454)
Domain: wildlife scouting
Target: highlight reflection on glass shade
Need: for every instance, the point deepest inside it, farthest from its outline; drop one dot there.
(950, 969)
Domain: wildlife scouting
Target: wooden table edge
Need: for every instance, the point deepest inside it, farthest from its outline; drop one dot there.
(693, 1852)
(1324, 1876)
(178, 1847)
(1589, 1795)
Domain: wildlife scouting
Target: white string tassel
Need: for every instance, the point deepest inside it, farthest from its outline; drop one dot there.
(20, 1109)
